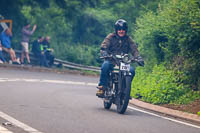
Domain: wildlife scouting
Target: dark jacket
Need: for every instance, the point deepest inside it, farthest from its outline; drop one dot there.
(36, 49)
(46, 46)
(114, 44)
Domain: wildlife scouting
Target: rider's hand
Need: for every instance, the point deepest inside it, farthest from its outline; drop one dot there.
(140, 61)
(104, 53)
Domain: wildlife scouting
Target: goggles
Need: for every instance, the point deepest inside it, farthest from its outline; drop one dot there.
(121, 28)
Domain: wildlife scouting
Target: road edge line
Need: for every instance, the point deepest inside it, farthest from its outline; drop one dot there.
(18, 123)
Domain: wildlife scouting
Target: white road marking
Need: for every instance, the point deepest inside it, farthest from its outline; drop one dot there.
(63, 82)
(18, 124)
(89, 84)
(4, 130)
(3, 79)
(47, 81)
(31, 80)
(170, 119)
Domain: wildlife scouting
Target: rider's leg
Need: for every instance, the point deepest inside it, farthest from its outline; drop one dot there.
(105, 68)
(103, 84)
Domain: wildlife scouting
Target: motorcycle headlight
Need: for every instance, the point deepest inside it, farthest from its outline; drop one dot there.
(125, 59)
(118, 56)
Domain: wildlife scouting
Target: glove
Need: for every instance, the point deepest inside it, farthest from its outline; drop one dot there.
(104, 53)
(140, 61)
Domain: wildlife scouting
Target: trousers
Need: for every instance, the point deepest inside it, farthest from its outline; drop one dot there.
(106, 67)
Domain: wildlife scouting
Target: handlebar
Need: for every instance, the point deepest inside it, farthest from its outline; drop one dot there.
(129, 60)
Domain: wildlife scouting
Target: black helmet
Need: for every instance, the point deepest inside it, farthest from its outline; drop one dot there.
(121, 24)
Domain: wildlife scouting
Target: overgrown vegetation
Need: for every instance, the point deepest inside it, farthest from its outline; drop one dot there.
(161, 86)
(169, 36)
(167, 31)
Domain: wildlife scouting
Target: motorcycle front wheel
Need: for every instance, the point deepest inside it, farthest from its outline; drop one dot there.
(123, 98)
(107, 104)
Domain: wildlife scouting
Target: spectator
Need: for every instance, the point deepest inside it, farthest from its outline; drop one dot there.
(6, 45)
(48, 51)
(26, 33)
(2, 59)
(38, 53)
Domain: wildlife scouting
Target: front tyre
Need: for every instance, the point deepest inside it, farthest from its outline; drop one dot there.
(123, 98)
(107, 104)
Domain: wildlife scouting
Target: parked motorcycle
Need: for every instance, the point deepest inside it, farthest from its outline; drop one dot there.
(119, 87)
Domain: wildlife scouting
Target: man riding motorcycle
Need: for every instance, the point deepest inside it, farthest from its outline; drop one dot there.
(116, 43)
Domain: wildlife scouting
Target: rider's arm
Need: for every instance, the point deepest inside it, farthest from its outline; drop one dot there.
(106, 43)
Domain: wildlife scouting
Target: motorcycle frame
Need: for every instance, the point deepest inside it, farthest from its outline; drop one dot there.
(116, 84)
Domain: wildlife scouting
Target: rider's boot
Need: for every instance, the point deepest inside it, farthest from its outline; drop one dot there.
(100, 92)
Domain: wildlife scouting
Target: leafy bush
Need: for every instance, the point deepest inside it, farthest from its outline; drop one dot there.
(80, 54)
(171, 32)
(158, 87)
(188, 97)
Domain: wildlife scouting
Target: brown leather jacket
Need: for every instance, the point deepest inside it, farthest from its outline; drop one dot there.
(113, 44)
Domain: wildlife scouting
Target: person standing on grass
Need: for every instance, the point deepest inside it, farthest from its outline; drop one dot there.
(26, 33)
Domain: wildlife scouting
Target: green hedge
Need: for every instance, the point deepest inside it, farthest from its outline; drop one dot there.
(158, 87)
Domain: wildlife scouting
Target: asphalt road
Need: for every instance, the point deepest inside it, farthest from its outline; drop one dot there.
(66, 103)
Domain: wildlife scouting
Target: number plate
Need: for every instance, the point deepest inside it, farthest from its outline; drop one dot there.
(124, 67)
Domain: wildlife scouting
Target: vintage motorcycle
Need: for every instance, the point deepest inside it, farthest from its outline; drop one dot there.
(119, 85)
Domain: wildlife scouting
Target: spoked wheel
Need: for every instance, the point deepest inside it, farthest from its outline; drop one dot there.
(107, 102)
(123, 98)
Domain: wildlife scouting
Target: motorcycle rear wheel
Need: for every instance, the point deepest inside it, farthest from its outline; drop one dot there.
(123, 99)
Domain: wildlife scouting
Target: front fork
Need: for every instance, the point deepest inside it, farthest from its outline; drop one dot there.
(121, 79)
(112, 86)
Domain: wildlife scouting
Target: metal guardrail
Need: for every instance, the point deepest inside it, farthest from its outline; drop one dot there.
(66, 64)
(77, 66)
